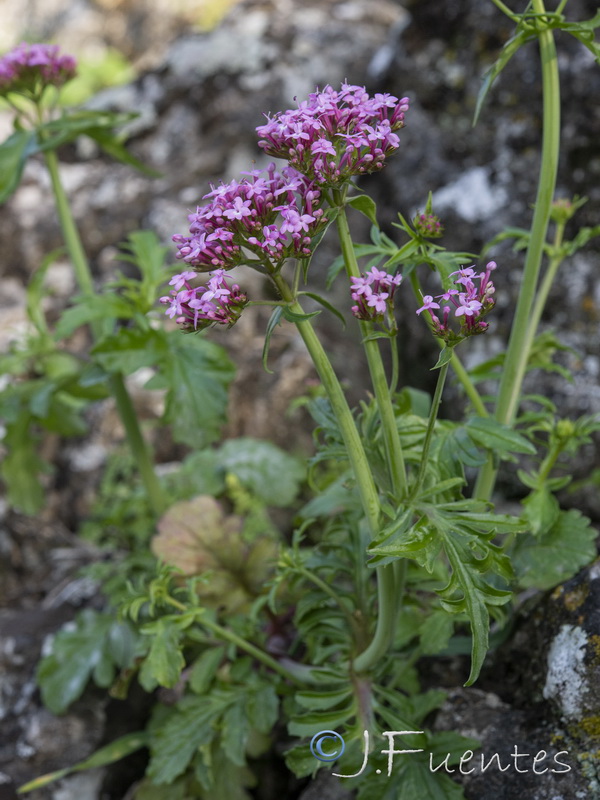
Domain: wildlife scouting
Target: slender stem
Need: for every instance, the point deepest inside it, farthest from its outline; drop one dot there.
(326, 588)
(136, 441)
(506, 10)
(435, 406)
(386, 594)
(354, 447)
(519, 345)
(546, 284)
(391, 436)
(229, 636)
(389, 595)
(255, 652)
(69, 229)
(395, 365)
(457, 365)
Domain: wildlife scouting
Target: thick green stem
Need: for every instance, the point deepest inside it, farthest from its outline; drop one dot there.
(435, 407)
(389, 425)
(519, 345)
(83, 276)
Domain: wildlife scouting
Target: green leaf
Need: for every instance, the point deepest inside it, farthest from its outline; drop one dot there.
(292, 316)
(175, 740)
(129, 349)
(475, 607)
(196, 373)
(314, 721)
(274, 321)
(584, 31)
(77, 650)
(75, 123)
(104, 307)
(417, 780)
(556, 555)
(326, 304)
(268, 472)
(114, 147)
(445, 358)
(205, 668)
(115, 751)
(35, 290)
(322, 700)
(164, 662)
(436, 632)
(364, 204)
(510, 48)
(541, 510)
(497, 437)
(22, 465)
(235, 734)
(14, 152)
(262, 707)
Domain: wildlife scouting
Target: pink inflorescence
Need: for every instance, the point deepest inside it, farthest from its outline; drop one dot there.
(336, 134)
(470, 303)
(373, 294)
(274, 215)
(197, 308)
(29, 68)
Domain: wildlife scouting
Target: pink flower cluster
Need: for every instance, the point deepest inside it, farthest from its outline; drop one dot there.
(336, 134)
(373, 294)
(274, 215)
(29, 68)
(195, 309)
(470, 303)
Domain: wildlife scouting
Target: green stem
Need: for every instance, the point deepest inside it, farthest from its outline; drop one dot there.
(457, 365)
(252, 650)
(506, 10)
(435, 406)
(395, 365)
(386, 618)
(229, 636)
(519, 345)
(123, 401)
(326, 588)
(391, 436)
(546, 284)
(388, 604)
(356, 454)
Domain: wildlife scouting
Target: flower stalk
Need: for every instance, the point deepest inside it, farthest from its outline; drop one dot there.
(523, 332)
(123, 401)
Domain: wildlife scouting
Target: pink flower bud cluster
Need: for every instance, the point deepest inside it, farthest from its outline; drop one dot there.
(428, 225)
(29, 68)
(468, 304)
(274, 215)
(373, 294)
(336, 134)
(197, 308)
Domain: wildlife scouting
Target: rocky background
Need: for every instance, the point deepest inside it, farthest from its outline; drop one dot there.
(200, 93)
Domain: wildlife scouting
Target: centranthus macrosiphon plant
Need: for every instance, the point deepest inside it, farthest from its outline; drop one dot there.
(315, 634)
